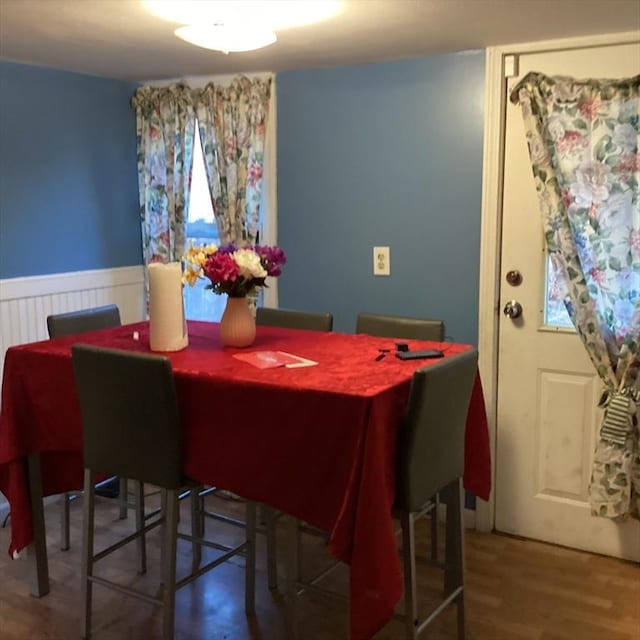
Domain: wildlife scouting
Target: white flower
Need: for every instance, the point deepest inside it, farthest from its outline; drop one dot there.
(623, 311)
(249, 264)
(592, 183)
(625, 136)
(616, 211)
(538, 151)
(558, 125)
(629, 108)
(565, 90)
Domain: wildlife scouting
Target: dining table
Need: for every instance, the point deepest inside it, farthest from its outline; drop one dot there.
(316, 442)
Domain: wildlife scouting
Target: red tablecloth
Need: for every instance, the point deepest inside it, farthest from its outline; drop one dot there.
(316, 442)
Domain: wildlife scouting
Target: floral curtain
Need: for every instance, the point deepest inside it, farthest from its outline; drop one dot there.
(583, 145)
(232, 124)
(165, 128)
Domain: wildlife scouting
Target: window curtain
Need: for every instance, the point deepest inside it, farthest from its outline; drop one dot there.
(165, 128)
(232, 126)
(583, 146)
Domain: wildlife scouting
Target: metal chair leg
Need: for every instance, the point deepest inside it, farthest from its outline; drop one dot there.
(197, 528)
(434, 529)
(272, 560)
(250, 564)
(64, 522)
(407, 521)
(169, 548)
(86, 569)
(123, 498)
(454, 549)
(291, 572)
(141, 542)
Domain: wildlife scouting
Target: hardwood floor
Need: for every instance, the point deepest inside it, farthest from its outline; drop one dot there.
(516, 590)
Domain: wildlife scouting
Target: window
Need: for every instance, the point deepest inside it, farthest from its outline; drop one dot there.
(201, 303)
(555, 313)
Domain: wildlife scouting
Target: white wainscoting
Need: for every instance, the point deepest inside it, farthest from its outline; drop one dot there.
(25, 303)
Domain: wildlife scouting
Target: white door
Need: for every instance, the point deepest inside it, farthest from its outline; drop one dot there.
(547, 418)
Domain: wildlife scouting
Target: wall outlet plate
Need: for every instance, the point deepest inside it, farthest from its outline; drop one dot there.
(381, 261)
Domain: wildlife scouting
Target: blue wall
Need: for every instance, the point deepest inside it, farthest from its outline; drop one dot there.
(383, 154)
(68, 176)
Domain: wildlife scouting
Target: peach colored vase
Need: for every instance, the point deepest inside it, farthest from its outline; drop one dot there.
(237, 326)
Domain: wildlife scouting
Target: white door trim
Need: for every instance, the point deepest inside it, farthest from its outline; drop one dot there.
(490, 234)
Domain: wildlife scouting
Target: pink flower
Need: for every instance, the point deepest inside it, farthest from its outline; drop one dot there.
(628, 163)
(567, 198)
(598, 275)
(590, 108)
(634, 240)
(571, 140)
(221, 267)
(255, 174)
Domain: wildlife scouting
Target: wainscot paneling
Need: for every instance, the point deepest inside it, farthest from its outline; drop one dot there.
(25, 303)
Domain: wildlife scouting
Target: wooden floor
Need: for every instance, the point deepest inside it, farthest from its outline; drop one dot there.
(516, 590)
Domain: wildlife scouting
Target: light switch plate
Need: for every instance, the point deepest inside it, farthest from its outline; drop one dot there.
(381, 261)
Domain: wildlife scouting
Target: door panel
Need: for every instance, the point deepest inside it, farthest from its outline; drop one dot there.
(547, 389)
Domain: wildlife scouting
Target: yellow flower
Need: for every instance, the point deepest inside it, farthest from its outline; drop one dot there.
(190, 274)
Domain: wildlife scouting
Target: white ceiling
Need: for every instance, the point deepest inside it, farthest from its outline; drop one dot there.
(120, 39)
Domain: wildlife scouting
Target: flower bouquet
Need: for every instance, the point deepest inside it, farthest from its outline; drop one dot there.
(236, 272)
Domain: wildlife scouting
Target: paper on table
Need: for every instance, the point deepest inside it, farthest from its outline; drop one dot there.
(271, 359)
(167, 322)
(299, 361)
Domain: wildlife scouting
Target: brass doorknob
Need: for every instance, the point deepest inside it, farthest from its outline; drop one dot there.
(513, 309)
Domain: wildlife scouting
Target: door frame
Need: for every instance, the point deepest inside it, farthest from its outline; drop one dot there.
(497, 61)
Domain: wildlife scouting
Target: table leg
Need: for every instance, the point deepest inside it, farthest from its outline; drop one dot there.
(37, 550)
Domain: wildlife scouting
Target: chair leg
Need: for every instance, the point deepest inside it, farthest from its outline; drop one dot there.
(454, 549)
(64, 522)
(141, 542)
(86, 569)
(407, 521)
(250, 564)
(123, 498)
(272, 559)
(291, 572)
(169, 549)
(197, 529)
(434, 528)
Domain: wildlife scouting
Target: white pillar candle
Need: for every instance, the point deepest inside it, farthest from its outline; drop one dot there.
(167, 322)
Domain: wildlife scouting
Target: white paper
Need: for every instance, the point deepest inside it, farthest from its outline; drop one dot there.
(302, 362)
(167, 322)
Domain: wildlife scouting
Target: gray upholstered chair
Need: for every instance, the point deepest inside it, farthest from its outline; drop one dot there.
(68, 324)
(294, 319)
(407, 328)
(430, 461)
(400, 327)
(133, 431)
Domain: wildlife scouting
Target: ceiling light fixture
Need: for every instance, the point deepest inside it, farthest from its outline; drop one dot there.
(227, 37)
(276, 14)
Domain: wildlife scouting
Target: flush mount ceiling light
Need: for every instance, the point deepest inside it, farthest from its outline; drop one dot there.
(227, 37)
(275, 14)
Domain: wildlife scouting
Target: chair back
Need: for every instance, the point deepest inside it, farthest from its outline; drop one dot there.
(290, 319)
(130, 418)
(67, 324)
(400, 327)
(431, 439)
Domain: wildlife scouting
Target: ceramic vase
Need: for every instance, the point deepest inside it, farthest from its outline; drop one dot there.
(237, 325)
